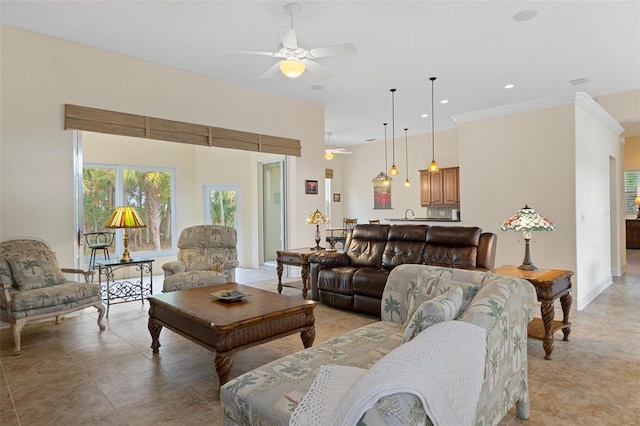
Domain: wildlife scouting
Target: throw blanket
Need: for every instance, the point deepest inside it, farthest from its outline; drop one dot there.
(443, 366)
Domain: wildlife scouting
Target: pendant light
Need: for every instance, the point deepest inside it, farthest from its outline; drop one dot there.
(434, 166)
(407, 182)
(387, 180)
(394, 170)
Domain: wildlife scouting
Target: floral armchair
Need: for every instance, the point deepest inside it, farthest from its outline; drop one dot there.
(34, 288)
(207, 255)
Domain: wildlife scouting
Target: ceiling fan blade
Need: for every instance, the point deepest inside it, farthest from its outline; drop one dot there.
(317, 69)
(341, 49)
(288, 37)
(271, 71)
(254, 52)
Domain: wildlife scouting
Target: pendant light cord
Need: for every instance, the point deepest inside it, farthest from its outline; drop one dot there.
(385, 147)
(393, 125)
(433, 129)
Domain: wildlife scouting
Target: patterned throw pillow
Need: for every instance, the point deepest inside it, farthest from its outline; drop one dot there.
(34, 270)
(5, 272)
(440, 286)
(441, 308)
(419, 294)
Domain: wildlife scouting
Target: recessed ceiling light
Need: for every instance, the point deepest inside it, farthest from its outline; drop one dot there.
(317, 87)
(444, 101)
(509, 86)
(424, 115)
(525, 15)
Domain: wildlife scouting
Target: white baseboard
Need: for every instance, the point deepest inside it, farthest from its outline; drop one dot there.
(583, 301)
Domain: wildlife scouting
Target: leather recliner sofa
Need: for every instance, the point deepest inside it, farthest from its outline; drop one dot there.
(355, 279)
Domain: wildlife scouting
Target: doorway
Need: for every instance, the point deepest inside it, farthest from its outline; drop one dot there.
(273, 202)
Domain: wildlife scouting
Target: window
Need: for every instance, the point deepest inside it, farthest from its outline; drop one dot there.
(631, 191)
(148, 190)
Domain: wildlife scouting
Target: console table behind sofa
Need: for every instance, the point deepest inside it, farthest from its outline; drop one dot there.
(355, 279)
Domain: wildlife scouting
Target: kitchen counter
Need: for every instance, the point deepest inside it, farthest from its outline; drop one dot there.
(422, 220)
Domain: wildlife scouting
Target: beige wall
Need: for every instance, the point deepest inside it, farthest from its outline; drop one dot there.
(632, 153)
(368, 160)
(40, 74)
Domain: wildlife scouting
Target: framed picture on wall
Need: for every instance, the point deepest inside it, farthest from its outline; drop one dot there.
(336, 198)
(310, 186)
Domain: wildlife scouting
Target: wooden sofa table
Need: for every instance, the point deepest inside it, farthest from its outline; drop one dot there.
(550, 285)
(227, 327)
(295, 257)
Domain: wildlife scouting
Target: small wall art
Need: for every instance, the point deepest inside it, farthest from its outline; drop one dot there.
(310, 186)
(336, 198)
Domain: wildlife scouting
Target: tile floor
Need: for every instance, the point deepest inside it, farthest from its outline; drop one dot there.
(72, 374)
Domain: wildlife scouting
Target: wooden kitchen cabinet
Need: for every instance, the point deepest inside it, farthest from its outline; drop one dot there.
(633, 234)
(440, 188)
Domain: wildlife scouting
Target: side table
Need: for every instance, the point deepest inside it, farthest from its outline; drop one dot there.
(295, 257)
(550, 285)
(124, 290)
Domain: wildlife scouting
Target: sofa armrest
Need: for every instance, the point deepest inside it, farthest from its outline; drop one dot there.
(174, 267)
(329, 259)
(86, 274)
(487, 251)
(504, 307)
(5, 300)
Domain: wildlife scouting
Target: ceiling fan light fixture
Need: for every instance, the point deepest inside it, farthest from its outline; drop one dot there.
(328, 155)
(292, 67)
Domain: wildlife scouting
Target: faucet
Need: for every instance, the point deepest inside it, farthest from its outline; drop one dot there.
(406, 214)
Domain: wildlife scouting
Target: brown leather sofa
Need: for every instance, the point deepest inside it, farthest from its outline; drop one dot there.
(355, 279)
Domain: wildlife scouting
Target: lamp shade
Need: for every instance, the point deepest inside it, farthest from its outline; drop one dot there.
(527, 220)
(637, 201)
(125, 217)
(316, 218)
(292, 67)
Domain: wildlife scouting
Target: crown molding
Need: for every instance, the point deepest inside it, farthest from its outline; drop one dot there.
(580, 99)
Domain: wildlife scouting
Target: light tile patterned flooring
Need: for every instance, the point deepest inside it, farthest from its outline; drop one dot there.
(72, 374)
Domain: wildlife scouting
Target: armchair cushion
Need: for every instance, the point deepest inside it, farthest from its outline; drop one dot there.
(441, 286)
(33, 270)
(53, 299)
(444, 307)
(174, 267)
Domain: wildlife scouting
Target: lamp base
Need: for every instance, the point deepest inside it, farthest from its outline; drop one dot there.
(526, 263)
(125, 256)
(529, 267)
(317, 248)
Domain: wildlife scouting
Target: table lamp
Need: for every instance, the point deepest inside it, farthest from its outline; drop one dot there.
(527, 220)
(316, 218)
(637, 203)
(125, 217)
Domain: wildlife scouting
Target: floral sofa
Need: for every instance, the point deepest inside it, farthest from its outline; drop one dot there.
(34, 288)
(498, 305)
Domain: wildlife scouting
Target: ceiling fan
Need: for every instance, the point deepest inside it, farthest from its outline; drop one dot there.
(328, 153)
(294, 58)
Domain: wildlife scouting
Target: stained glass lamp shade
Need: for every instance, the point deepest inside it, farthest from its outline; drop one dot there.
(317, 218)
(526, 221)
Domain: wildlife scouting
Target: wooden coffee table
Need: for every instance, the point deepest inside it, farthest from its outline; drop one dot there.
(227, 327)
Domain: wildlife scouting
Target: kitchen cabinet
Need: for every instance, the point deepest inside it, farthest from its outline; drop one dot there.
(440, 188)
(633, 234)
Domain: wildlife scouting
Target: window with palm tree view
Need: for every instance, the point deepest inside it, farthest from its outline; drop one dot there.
(149, 191)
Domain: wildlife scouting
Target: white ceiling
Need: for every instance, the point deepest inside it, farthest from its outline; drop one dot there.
(474, 48)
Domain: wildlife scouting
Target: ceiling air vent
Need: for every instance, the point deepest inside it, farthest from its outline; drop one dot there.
(578, 81)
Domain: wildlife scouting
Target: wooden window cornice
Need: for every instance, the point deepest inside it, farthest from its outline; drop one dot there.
(139, 126)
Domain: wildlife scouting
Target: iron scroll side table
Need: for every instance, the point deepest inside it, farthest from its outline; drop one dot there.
(124, 290)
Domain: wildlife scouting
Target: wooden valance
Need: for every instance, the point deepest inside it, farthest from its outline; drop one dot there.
(123, 124)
